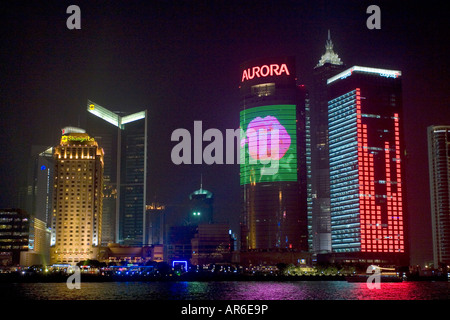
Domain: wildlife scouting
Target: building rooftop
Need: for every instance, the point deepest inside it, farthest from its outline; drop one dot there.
(329, 56)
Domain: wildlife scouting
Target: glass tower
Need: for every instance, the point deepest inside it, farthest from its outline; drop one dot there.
(366, 165)
(439, 168)
(131, 173)
(40, 184)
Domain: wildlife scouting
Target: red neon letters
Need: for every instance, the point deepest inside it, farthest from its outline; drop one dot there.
(264, 71)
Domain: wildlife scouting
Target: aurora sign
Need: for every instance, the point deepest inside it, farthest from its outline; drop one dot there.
(265, 71)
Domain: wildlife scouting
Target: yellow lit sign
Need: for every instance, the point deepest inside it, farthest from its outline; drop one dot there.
(67, 139)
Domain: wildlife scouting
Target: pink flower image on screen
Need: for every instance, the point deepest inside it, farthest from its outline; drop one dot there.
(268, 123)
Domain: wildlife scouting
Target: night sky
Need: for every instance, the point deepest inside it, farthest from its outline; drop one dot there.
(180, 60)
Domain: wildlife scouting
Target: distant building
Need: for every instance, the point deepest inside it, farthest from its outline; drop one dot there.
(40, 183)
(201, 206)
(212, 244)
(77, 198)
(179, 247)
(439, 168)
(38, 245)
(14, 235)
(155, 224)
(107, 141)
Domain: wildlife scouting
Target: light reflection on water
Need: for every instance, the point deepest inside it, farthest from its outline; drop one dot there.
(228, 290)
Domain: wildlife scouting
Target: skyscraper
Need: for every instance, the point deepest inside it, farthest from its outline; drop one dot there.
(38, 244)
(319, 219)
(201, 206)
(131, 173)
(40, 183)
(14, 235)
(77, 198)
(272, 157)
(366, 165)
(155, 224)
(439, 168)
(106, 139)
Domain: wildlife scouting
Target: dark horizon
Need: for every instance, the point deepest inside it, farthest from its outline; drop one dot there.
(180, 60)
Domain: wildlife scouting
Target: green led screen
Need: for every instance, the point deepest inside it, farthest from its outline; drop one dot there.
(254, 161)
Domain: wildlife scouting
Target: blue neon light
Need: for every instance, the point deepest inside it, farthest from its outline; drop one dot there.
(180, 262)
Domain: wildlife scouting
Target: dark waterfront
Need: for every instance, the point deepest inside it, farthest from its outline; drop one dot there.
(227, 290)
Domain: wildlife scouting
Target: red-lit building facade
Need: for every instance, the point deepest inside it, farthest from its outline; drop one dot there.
(366, 151)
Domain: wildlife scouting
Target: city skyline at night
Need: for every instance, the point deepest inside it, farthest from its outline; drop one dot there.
(181, 63)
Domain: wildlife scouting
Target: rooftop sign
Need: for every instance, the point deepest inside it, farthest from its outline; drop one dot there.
(265, 71)
(381, 72)
(80, 139)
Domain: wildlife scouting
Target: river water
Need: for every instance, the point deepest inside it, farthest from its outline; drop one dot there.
(227, 290)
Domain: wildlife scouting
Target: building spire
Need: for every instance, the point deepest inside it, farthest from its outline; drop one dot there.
(330, 56)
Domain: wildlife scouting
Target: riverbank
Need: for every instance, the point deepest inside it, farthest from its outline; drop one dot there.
(86, 277)
(15, 277)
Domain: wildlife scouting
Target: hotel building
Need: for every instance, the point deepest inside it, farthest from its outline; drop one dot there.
(77, 198)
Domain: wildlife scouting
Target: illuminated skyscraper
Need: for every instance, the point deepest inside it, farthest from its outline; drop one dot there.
(201, 206)
(439, 168)
(319, 219)
(366, 165)
(131, 173)
(14, 235)
(272, 157)
(77, 198)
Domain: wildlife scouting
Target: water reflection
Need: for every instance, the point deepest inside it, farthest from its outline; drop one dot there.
(228, 290)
